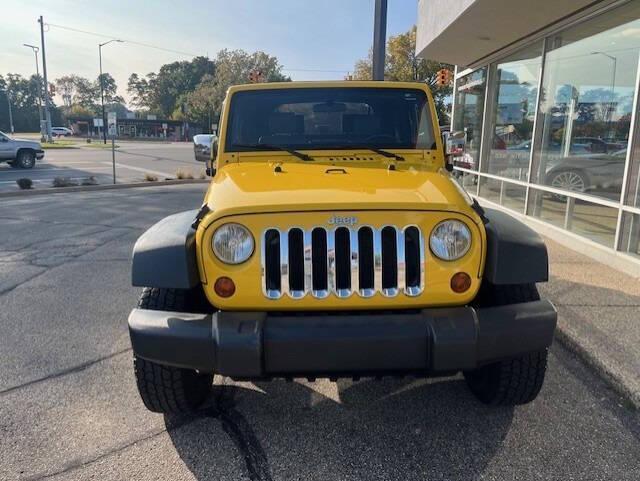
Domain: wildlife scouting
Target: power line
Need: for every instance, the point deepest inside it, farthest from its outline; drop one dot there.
(189, 54)
(134, 42)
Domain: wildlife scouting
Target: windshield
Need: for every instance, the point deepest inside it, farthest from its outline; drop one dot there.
(329, 118)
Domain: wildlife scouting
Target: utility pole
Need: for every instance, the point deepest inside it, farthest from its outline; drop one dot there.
(104, 117)
(379, 39)
(35, 51)
(47, 102)
(8, 94)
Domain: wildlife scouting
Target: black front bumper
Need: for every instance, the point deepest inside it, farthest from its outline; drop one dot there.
(252, 345)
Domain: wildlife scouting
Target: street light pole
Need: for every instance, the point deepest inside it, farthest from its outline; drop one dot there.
(35, 51)
(47, 113)
(104, 117)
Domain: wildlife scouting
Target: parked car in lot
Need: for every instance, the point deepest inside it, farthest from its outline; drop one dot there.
(333, 242)
(19, 153)
(586, 172)
(61, 131)
(202, 146)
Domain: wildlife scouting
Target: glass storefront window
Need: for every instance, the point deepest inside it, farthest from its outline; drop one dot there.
(588, 89)
(633, 177)
(514, 109)
(469, 109)
(503, 192)
(631, 234)
(468, 181)
(588, 219)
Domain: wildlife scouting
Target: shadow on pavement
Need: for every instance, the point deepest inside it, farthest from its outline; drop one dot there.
(390, 429)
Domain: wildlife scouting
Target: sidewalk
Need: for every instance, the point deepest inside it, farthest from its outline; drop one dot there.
(598, 315)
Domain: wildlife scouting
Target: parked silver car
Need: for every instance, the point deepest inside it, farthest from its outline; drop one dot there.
(18, 152)
(61, 131)
(202, 146)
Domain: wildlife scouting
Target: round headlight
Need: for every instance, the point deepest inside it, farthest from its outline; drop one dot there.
(450, 240)
(232, 243)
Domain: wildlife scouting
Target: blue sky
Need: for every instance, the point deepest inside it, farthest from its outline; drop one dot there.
(326, 35)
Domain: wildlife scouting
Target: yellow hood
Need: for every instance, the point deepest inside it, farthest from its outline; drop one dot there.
(255, 187)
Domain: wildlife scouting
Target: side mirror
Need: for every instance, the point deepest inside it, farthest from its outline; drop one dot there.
(214, 149)
(454, 146)
(211, 170)
(455, 143)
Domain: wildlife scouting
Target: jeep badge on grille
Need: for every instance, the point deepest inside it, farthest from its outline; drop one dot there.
(342, 220)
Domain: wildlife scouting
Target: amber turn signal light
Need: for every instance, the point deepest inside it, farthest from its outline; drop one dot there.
(224, 287)
(460, 282)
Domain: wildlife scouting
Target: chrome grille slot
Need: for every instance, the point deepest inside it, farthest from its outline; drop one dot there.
(342, 262)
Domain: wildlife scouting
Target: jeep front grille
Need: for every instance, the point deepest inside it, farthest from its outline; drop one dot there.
(342, 261)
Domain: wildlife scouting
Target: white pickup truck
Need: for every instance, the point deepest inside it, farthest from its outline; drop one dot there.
(19, 153)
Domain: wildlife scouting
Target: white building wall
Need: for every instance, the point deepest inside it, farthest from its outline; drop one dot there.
(462, 32)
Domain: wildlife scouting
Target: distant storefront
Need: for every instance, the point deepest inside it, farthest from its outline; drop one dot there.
(150, 128)
(548, 98)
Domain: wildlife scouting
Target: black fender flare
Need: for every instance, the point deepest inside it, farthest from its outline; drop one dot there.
(516, 254)
(165, 255)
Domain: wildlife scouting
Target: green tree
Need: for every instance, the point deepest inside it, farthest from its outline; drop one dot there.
(87, 93)
(110, 89)
(401, 64)
(139, 90)
(23, 95)
(161, 91)
(78, 91)
(232, 68)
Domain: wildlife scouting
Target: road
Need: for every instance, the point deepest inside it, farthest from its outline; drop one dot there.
(133, 160)
(70, 409)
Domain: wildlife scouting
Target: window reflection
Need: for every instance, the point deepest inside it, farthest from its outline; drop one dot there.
(587, 101)
(469, 109)
(514, 113)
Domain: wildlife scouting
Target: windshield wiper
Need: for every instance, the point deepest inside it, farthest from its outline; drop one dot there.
(293, 152)
(384, 153)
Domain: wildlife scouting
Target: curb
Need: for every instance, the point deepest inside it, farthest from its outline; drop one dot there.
(611, 378)
(90, 188)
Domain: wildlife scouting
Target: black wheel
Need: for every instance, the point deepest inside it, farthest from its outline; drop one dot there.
(168, 389)
(26, 159)
(512, 381)
(180, 300)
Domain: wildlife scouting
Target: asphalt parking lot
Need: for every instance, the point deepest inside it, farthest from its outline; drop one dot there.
(133, 160)
(70, 409)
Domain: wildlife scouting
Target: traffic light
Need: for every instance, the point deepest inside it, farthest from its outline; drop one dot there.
(444, 77)
(52, 89)
(256, 76)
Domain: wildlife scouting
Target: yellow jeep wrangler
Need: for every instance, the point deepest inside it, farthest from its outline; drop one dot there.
(334, 242)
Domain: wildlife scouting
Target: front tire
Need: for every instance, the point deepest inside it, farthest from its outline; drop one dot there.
(167, 389)
(26, 159)
(513, 381)
(170, 390)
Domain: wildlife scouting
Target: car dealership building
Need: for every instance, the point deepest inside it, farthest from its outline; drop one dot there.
(547, 93)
